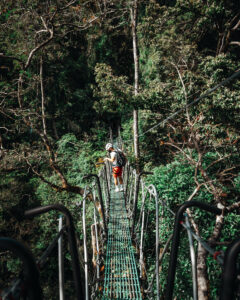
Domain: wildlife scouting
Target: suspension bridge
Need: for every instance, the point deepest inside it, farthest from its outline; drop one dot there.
(121, 276)
(121, 222)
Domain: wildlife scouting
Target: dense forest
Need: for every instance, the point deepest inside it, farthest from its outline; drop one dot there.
(73, 73)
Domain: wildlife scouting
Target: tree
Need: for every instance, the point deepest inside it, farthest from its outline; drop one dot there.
(177, 64)
(50, 26)
(134, 16)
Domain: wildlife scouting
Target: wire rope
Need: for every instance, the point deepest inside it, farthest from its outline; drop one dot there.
(171, 116)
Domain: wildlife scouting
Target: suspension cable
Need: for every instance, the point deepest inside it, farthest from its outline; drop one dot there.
(205, 245)
(193, 258)
(171, 116)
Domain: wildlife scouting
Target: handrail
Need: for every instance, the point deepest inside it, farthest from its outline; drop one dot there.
(100, 199)
(96, 236)
(71, 239)
(127, 171)
(107, 188)
(61, 259)
(193, 258)
(30, 271)
(180, 224)
(230, 270)
(85, 243)
(176, 239)
(136, 198)
(43, 259)
(151, 190)
(129, 187)
(106, 192)
(205, 245)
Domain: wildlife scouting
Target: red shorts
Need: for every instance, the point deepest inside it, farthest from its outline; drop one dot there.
(117, 171)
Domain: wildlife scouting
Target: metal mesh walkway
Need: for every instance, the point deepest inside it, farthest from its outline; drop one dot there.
(121, 277)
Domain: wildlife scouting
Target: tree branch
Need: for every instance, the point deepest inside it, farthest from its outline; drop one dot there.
(234, 206)
(235, 43)
(184, 91)
(38, 47)
(11, 57)
(57, 188)
(43, 98)
(217, 161)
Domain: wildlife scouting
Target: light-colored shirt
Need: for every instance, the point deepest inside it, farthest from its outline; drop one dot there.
(113, 155)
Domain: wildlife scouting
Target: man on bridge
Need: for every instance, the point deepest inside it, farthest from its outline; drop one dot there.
(118, 160)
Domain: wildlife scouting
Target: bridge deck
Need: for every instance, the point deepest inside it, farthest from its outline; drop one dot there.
(121, 276)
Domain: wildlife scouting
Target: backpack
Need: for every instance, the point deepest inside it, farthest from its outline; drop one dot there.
(121, 159)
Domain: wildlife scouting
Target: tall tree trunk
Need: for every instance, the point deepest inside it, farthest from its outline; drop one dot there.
(54, 127)
(56, 136)
(111, 134)
(134, 11)
(120, 143)
(1, 146)
(202, 273)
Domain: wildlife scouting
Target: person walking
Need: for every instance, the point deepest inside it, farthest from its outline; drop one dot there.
(118, 160)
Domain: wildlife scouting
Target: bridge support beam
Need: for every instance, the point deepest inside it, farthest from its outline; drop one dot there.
(136, 198)
(71, 239)
(30, 271)
(230, 271)
(176, 239)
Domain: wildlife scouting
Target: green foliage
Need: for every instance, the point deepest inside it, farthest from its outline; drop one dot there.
(114, 92)
(88, 79)
(175, 183)
(237, 183)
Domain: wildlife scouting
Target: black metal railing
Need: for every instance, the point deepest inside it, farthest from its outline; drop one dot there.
(231, 272)
(27, 285)
(176, 239)
(70, 230)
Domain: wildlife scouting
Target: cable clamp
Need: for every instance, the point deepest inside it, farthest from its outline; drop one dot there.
(216, 254)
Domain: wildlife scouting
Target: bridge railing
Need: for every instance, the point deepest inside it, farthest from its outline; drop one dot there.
(178, 225)
(231, 272)
(70, 230)
(104, 176)
(27, 284)
(29, 261)
(143, 204)
(146, 211)
(98, 216)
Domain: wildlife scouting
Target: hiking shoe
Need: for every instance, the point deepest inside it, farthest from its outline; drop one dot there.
(121, 189)
(116, 189)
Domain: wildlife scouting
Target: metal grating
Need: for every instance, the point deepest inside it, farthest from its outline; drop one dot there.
(121, 277)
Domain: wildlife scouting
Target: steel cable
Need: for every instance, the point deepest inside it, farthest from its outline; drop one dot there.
(171, 116)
